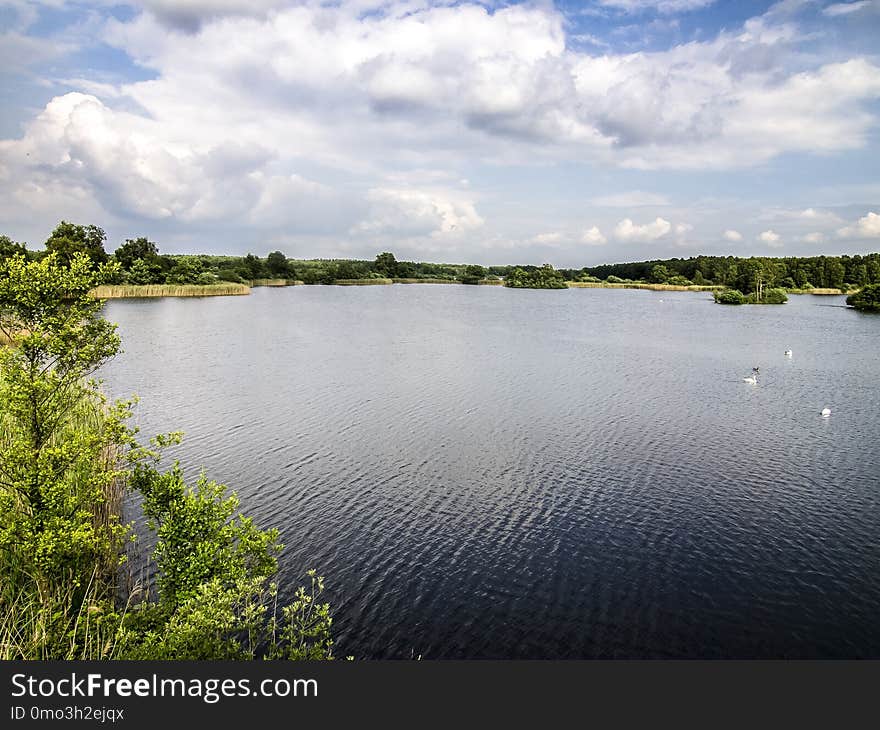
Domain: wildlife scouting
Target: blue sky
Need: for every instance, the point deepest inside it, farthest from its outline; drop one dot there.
(574, 133)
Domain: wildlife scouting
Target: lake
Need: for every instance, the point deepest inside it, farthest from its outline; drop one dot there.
(482, 472)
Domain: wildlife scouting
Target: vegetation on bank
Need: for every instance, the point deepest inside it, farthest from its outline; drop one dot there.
(66, 457)
(545, 277)
(638, 285)
(867, 299)
(119, 291)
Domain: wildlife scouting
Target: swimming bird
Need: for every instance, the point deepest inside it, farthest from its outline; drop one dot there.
(751, 380)
(826, 412)
(788, 353)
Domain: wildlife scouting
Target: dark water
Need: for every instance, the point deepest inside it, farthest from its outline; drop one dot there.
(483, 472)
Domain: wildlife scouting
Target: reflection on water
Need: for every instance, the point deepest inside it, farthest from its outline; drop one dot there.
(484, 472)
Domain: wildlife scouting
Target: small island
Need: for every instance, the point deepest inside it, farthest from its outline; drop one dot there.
(866, 299)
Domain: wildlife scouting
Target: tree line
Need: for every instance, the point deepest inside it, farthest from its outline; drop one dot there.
(140, 262)
(747, 274)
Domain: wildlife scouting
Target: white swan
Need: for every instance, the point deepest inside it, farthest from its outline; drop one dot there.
(788, 353)
(751, 380)
(826, 412)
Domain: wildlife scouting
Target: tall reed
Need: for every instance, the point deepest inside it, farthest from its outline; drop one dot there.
(124, 291)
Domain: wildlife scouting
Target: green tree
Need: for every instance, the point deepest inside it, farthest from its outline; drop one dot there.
(253, 267)
(134, 249)
(142, 271)
(54, 475)
(69, 239)
(187, 270)
(277, 265)
(386, 264)
(472, 274)
(659, 274)
(63, 452)
(9, 248)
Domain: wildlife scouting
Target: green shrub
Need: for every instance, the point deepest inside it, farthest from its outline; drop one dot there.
(678, 280)
(729, 296)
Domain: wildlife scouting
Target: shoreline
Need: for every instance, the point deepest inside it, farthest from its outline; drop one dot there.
(153, 291)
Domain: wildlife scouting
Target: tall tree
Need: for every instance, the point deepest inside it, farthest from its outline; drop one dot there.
(69, 239)
(386, 264)
(133, 249)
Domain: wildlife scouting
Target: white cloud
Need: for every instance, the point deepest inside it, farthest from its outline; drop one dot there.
(771, 238)
(838, 9)
(814, 237)
(731, 235)
(866, 227)
(276, 114)
(630, 199)
(410, 212)
(628, 231)
(593, 237)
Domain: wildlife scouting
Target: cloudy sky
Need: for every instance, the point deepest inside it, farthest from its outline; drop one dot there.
(571, 132)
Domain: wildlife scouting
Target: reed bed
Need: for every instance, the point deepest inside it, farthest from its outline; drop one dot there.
(272, 282)
(636, 285)
(399, 280)
(126, 291)
(819, 291)
(362, 282)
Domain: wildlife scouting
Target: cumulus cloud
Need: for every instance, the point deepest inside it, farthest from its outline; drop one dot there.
(628, 231)
(771, 238)
(593, 237)
(814, 237)
(131, 165)
(274, 113)
(418, 213)
(731, 235)
(866, 227)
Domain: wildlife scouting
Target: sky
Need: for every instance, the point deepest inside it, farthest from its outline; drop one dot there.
(573, 132)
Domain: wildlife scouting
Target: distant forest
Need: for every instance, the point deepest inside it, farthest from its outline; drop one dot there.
(833, 272)
(141, 263)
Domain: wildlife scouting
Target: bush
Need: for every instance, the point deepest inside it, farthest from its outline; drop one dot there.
(679, 280)
(768, 296)
(729, 296)
(615, 280)
(866, 299)
(230, 275)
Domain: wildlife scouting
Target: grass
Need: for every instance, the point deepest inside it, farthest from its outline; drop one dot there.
(635, 285)
(125, 291)
(70, 618)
